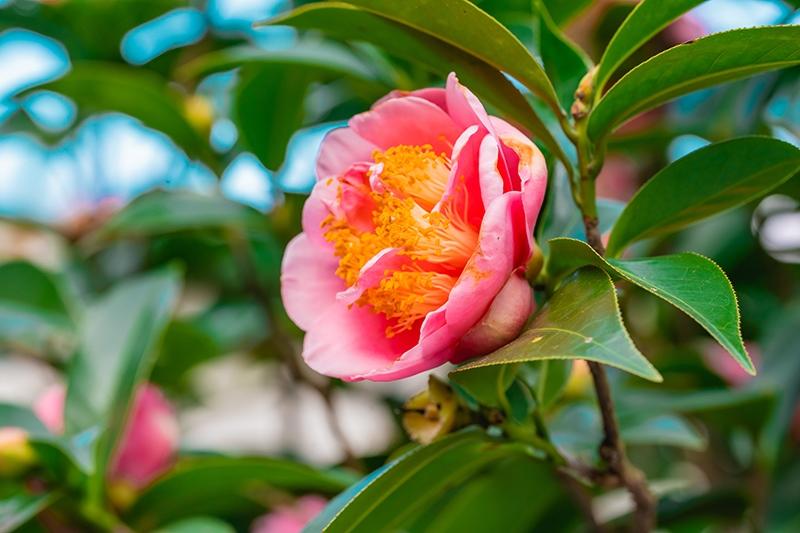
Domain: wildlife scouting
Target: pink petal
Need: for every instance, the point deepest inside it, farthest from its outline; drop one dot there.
(503, 321)
(148, 446)
(308, 281)
(502, 248)
(340, 149)
(434, 95)
(410, 121)
(49, 408)
(349, 342)
(372, 273)
(531, 169)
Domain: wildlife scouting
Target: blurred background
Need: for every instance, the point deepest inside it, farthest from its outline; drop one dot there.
(136, 134)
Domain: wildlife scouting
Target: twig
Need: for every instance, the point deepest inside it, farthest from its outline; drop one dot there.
(612, 450)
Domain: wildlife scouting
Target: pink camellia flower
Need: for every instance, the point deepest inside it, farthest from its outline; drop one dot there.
(150, 440)
(290, 519)
(415, 237)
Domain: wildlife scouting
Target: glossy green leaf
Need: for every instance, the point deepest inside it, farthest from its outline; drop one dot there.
(564, 62)
(226, 487)
(34, 314)
(265, 130)
(647, 19)
(580, 321)
(163, 212)
(118, 337)
(664, 430)
(487, 385)
(98, 87)
(564, 11)
(688, 67)
(17, 508)
(343, 21)
(692, 283)
(708, 181)
(185, 345)
(547, 379)
(498, 500)
(463, 25)
(316, 55)
(389, 498)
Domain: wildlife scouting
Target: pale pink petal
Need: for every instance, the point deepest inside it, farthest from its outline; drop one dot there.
(49, 408)
(491, 182)
(340, 149)
(503, 321)
(308, 281)
(350, 342)
(409, 121)
(434, 95)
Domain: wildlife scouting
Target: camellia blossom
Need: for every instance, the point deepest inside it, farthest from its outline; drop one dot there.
(150, 440)
(415, 237)
(290, 518)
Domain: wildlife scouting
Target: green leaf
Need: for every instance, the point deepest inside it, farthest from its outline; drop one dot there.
(580, 321)
(563, 11)
(688, 67)
(564, 62)
(185, 345)
(708, 181)
(498, 500)
(388, 499)
(463, 25)
(315, 55)
(692, 283)
(487, 385)
(33, 311)
(578, 429)
(198, 524)
(647, 19)
(101, 87)
(343, 21)
(17, 508)
(225, 487)
(547, 378)
(118, 336)
(163, 212)
(269, 107)
(664, 430)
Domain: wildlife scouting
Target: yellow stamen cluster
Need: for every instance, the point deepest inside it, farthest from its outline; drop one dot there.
(414, 171)
(411, 182)
(407, 296)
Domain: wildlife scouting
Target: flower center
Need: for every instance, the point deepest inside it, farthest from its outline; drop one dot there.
(404, 190)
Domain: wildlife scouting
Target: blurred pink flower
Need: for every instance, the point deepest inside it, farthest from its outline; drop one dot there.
(149, 442)
(290, 519)
(719, 361)
(415, 237)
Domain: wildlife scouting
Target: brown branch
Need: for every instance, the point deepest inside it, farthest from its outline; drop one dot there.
(612, 449)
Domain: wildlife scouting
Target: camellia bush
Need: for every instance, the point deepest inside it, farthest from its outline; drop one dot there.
(498, 207)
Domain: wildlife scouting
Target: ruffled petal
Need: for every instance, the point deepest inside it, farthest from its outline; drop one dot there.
(410, 121)
(308, 281)
(531, 169)
(340, 149)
